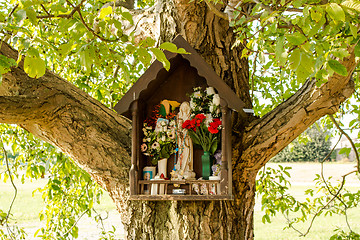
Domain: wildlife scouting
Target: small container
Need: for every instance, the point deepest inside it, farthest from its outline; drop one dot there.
(179, 191)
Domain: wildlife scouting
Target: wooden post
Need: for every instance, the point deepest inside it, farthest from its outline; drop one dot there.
(133, 175)
(225, 173)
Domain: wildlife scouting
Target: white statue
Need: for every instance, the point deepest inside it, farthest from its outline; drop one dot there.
(184, 166)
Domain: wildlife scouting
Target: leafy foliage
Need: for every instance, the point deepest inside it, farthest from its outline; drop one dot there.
(69, 193)
(327, 198)
(288, 42)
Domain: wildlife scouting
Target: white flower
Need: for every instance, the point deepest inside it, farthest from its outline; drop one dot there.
(148, 139)
(163, 138)
(192, 104)
(210, 91)
(197, 94)
(216, 100)
(171, 134)
(208, 120)
(143, 147)
(155, 145)
(211, 108)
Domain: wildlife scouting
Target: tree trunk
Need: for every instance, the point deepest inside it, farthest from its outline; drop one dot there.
(213, 39)
(98, 138)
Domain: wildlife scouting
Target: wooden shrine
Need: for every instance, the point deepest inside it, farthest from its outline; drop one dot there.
(186, 72)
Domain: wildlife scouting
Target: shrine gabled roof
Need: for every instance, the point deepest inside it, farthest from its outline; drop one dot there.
(156, 74)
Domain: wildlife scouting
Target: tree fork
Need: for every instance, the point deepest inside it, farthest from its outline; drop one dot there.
(98, 138)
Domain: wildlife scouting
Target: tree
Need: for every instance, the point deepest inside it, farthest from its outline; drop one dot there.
(311, 146)
(302, 54)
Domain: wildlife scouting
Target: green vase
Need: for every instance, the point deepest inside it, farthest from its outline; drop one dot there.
(205, 160)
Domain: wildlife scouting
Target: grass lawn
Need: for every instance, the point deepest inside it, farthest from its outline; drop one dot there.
(27, 207)
(322, 227)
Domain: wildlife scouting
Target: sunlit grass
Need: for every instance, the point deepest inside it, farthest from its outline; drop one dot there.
(322, 228)
(27, 207)
(29, 203)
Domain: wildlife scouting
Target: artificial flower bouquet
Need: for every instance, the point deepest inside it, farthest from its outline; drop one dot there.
(205, 123)
(160, 132)
(204, 132)
(205, 102)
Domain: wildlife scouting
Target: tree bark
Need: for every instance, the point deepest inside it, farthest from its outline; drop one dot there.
(98, 139)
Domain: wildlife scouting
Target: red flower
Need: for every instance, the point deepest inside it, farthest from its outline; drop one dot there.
(198, 122)
(186, 124)
(193, 123)
(214, 125)
(201, 117)
(212, 129)
(217, 121)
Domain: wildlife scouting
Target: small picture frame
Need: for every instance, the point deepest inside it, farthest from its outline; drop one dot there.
(149, 173)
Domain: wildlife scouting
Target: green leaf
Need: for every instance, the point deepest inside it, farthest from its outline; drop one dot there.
(20, 15)
(55, 187)
(160, 56)
(85, 60)
(65, 48)
(171, 47)
(352, 4)
(6, 63)
(336, 12)
(340, 52)
(306, 67)
(315, 15)
(280, 52)
(128, 17)
(31, 14)
(214, 147)
(294, 59)
(144, 56)
(353, 30)
(296, 38)
(265, 219)
(345, 151)
(105, 11)
(147, 42)
(194, 137)
(338, 67)
(34, 66)
(357, 50)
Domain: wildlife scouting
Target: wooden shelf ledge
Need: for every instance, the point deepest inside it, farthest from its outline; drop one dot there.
(172, 197)
(179, 181)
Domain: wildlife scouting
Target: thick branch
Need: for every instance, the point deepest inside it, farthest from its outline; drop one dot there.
(17, 109)
(267, 136)
(216, 11)
(97, 138)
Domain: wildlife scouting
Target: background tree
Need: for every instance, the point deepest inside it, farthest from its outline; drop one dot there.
(303, 60)
(311, 146)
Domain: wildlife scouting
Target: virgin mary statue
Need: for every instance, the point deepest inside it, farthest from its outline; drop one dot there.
(184, 168)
